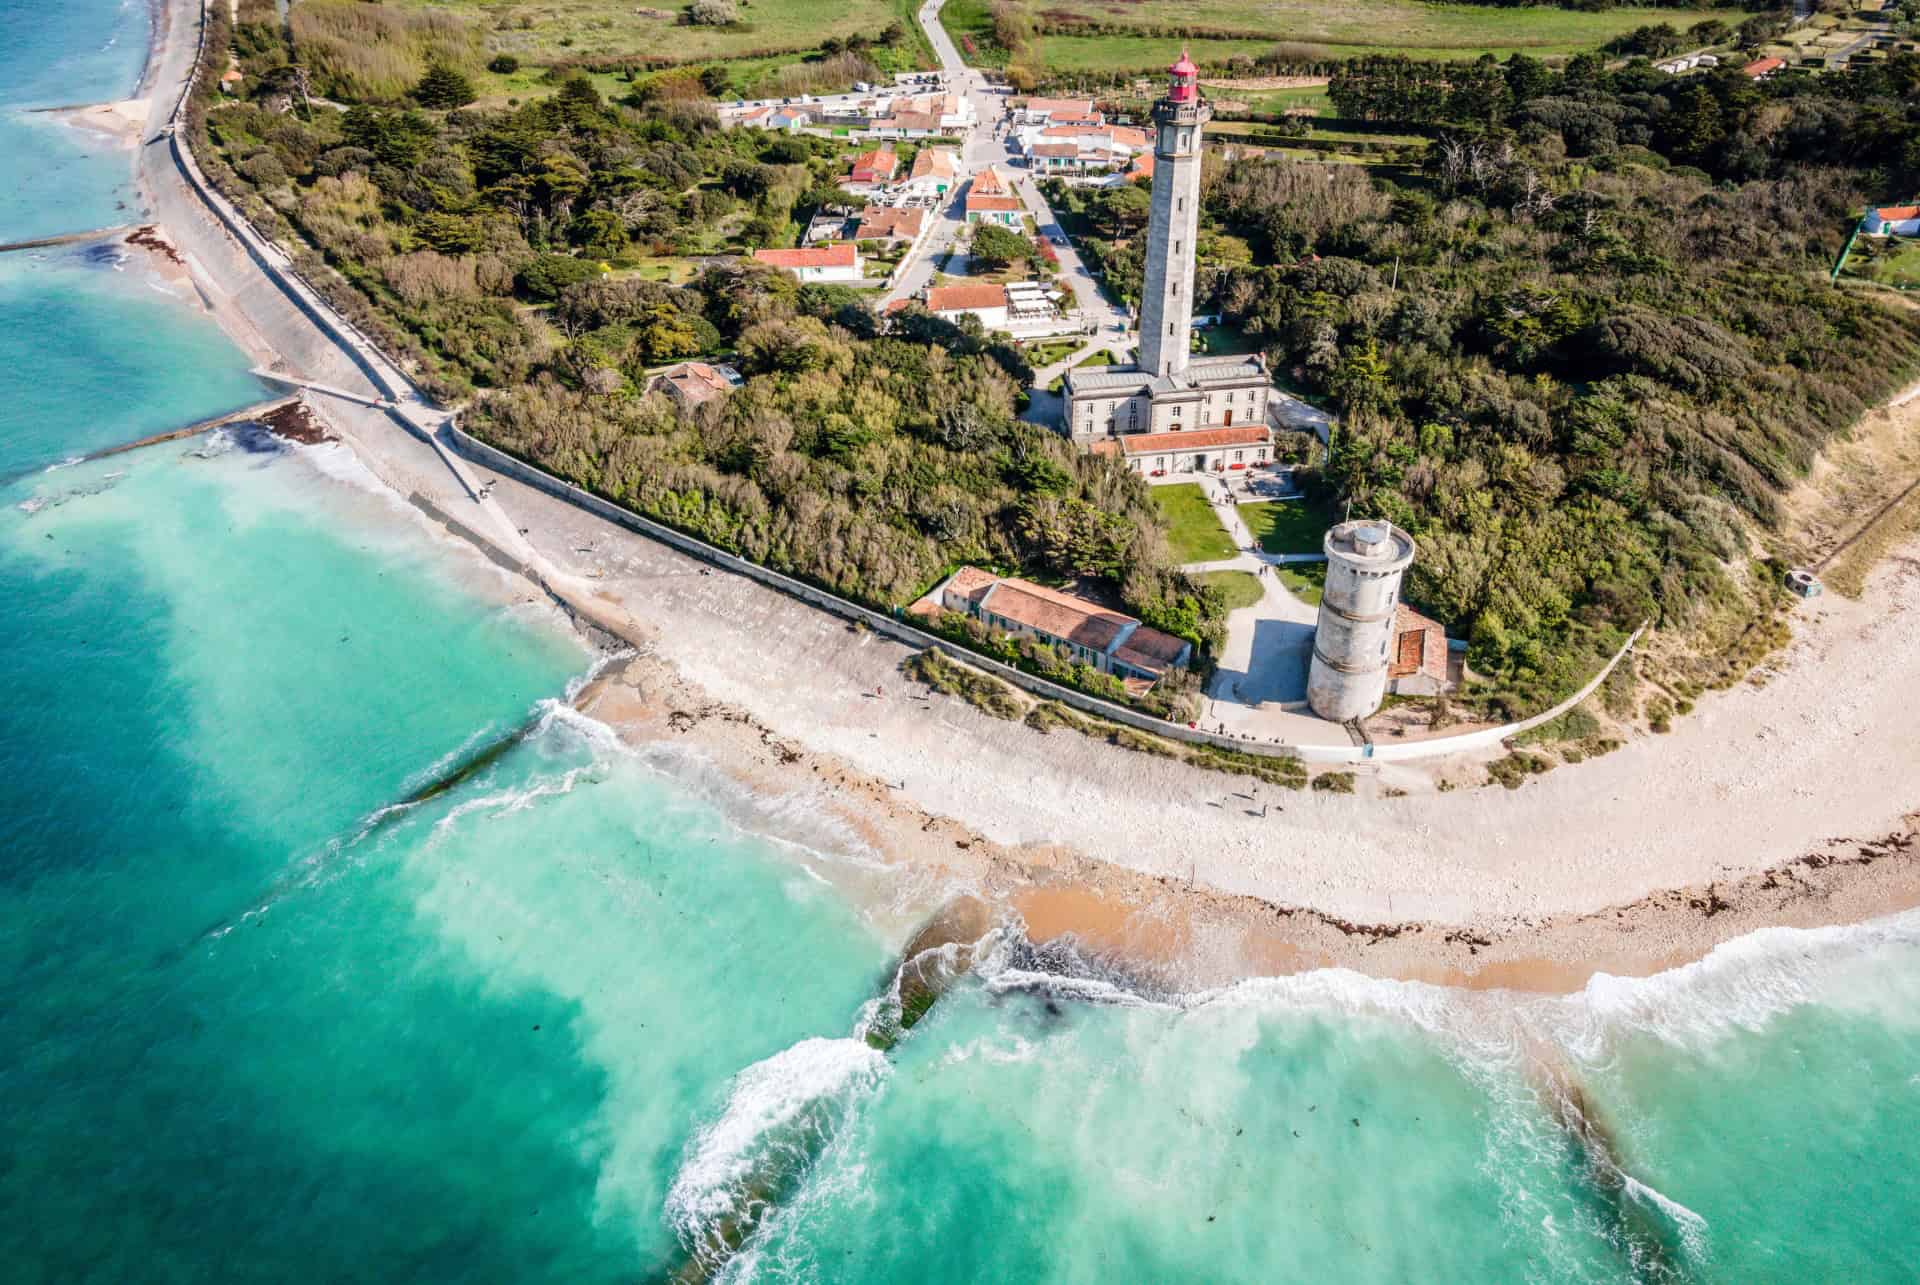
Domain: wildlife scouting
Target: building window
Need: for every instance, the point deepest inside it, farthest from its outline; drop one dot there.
(1176, 247)
(1176, 412)
(1169, 327)
(1238, 456)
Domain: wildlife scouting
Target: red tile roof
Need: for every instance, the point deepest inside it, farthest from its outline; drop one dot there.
(988, 182)
(1149, 649)
(991, 203)
(954, 298)
(1075, 106)
(1193, 439)
(1056, 149)
(1058, 615)
(934, 162)
(843, 255)
(1898, 213)
(879, 222)
(1761, 66)
(878, 166)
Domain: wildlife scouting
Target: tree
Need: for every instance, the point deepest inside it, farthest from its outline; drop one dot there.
(996, 247)
(716, 80)
(504, 65)
(443, 87)
(713, 13)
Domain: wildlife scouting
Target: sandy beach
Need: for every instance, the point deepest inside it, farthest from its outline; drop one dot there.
(1790, 799)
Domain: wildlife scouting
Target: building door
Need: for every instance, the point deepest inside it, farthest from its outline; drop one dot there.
(1199, 463)
(1229, 418)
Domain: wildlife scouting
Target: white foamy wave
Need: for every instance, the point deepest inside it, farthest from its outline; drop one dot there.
(779, 1112)
(1691, 1227)
(1741, 985)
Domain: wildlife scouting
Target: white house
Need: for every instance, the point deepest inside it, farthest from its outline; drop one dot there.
(935, 172)
(839, 262)
(1197, 450)
(987, 302)
(1892, 220)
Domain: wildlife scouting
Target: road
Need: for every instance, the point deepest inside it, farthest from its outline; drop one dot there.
(986, 146)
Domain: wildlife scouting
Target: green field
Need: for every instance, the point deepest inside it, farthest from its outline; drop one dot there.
(548, 31)
(1194, 534)
(1304, 580)
(1318, 28)
(1893, 262)
(1285, 526)
(1242, 588)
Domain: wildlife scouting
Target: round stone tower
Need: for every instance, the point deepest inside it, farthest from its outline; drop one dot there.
(1353, 641)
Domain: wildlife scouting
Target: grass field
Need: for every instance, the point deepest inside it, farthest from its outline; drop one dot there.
(1304, 580)
(545, 32)
(1285, 526)
(1194, 534)
(1242, 588)
(1319, 28)
(1888, 263)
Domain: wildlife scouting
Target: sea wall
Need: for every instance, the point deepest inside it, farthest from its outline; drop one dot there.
(890, 627)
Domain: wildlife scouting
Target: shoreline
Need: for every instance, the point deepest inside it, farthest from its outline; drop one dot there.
(1149, 861)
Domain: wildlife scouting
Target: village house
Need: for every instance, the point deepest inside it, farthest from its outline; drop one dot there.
(839, 262)
(874, 169)
(935, 172)
(1041, 111)
(891, 223)
(695, 383)
(990, 199)
(1199, 450)
(1139, 170)
(1109, 640)
(1420, 663)
(1082, 148)
(1892, 220)
(987, 302)
(1763, 68)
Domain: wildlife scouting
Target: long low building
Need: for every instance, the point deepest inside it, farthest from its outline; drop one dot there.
(1111, 641)
(1198, 450)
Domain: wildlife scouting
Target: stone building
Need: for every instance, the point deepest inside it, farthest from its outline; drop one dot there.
(1167, 389)
(1111, 641)
(1353, 640)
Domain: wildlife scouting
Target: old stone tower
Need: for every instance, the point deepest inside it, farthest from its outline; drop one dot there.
(1355, 631)
(1166, 300)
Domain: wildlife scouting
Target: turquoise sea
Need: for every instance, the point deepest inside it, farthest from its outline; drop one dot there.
(559, 1022)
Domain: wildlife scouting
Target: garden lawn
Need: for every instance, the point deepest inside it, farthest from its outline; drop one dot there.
(1242, 588)
(1304, 580)
(1194, 534)
(1285, 526)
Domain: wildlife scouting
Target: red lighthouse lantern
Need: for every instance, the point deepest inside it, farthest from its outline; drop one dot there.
(1185, 85)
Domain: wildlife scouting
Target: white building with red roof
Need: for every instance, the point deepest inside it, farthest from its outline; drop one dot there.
(1084, 630)
(840, 262)
(1892, 220)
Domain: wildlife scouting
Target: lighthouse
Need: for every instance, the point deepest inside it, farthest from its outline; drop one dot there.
(1166, 300)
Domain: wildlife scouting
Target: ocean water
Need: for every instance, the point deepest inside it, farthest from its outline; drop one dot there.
(60, 55)
(572, 1017)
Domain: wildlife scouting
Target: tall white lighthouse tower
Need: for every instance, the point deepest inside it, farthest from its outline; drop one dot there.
(1166, 301)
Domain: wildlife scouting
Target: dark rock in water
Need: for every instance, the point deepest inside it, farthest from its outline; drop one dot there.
(255, 438)
(296, 423)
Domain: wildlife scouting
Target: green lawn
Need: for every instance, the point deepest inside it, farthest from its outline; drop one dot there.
(551, 31)
(1285, 526)
(1305, 580)
(1893, 262)
(1194, 534)
(1341, 29)
(1242, 588)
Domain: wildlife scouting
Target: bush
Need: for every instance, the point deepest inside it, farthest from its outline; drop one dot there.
(1334, 782)
(547, 275)
(443, 87)
(713, 13)
(504, 64)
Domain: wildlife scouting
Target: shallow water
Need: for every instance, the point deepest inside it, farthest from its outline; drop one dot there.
(556, 1022)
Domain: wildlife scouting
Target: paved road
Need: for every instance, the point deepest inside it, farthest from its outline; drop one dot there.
(986, 145)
